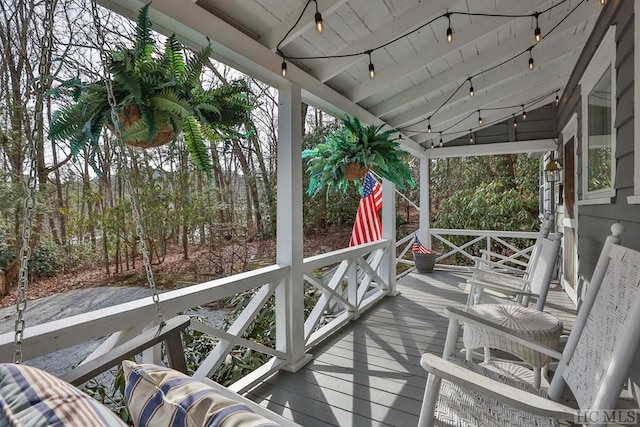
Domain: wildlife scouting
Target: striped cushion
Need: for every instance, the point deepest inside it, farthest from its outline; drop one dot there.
(34, 398)
(159, 396)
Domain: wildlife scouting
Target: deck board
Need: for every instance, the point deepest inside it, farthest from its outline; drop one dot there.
(369, 373)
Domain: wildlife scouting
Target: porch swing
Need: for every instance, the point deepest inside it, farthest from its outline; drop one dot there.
(29, 396)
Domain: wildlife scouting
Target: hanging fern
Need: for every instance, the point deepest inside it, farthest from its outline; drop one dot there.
(353, 143)
(164, 86)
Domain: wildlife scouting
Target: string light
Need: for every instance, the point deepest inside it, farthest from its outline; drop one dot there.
(432, 143)
(515, 121)
(537, 33)
(470, 136)
(318, 19)
(480, 121)
(603, 2)
(557, 99)
(524, 113)
(429, 127)
(440, 139)
(448, 15)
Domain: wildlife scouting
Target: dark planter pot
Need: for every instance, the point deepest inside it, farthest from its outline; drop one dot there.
(424, 262)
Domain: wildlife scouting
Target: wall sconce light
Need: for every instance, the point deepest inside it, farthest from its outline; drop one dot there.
(553, 170)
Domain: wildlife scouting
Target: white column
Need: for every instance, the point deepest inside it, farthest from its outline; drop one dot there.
(423, 234)
(388, 264)
(290, 295)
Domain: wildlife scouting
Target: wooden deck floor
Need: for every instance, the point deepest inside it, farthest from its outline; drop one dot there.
(369, 374)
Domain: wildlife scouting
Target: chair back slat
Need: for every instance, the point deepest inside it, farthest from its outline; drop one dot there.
(599, 366)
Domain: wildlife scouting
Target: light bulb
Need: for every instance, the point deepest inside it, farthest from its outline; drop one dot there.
(319, 23)
(537, 34)
(429, 127)
(470, 136)
(471, 92)
(283, 67)
(449, 29)
(372, 71)
(515, 122)
(603, 2)
(524, 114)
(557, 99)
(480, 121)
(531, 63)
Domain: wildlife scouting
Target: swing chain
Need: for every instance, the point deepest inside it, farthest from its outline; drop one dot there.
(30, 202)
(115, 119)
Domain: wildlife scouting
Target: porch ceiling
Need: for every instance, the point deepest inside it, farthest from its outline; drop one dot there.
(416, 76)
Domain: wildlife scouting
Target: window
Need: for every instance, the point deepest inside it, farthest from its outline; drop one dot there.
(598, 121)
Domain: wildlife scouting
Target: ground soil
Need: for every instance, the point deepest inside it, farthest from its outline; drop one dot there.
(176, 271)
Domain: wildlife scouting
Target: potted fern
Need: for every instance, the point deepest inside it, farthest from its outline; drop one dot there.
(349, 152)
(158, 97)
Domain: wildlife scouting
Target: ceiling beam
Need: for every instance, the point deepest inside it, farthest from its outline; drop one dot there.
(465, 36)
(500, 83)
(477, 63)
(277, 33)
(491, 149)
(403, 24)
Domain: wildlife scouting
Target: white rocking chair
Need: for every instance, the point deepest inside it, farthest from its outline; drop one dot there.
(513, 264)
(505, 287)
(595, 363)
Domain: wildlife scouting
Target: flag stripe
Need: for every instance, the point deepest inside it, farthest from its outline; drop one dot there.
(418, 247)
(367, 226)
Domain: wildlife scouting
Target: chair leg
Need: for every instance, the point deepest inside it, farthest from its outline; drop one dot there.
(452, 337)
(427, 410)
(537, 376)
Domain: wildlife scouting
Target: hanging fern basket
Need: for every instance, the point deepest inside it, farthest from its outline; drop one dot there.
(131, 114)
(355, 171)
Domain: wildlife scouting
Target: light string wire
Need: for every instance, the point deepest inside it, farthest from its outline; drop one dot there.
(447, 15)
(500, 64)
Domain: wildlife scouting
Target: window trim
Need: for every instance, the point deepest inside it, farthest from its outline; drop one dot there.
(603, 58)
(635, 198)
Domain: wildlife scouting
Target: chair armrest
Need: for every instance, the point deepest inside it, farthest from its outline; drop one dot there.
(511, 396)
(505, 269)
(501, 288)
(487, 275)
(504, 258)
(464, 317)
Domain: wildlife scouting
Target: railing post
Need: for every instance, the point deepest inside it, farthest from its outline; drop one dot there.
(488, 243)
(352, 287)
(424, 233)
(388, 264)
(290, 293)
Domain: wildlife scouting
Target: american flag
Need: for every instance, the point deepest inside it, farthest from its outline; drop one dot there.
(418, 247)
(368, 227)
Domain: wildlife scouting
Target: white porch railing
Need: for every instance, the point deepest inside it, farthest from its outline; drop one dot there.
(349, 289)
(350, 281)
(514, 244)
